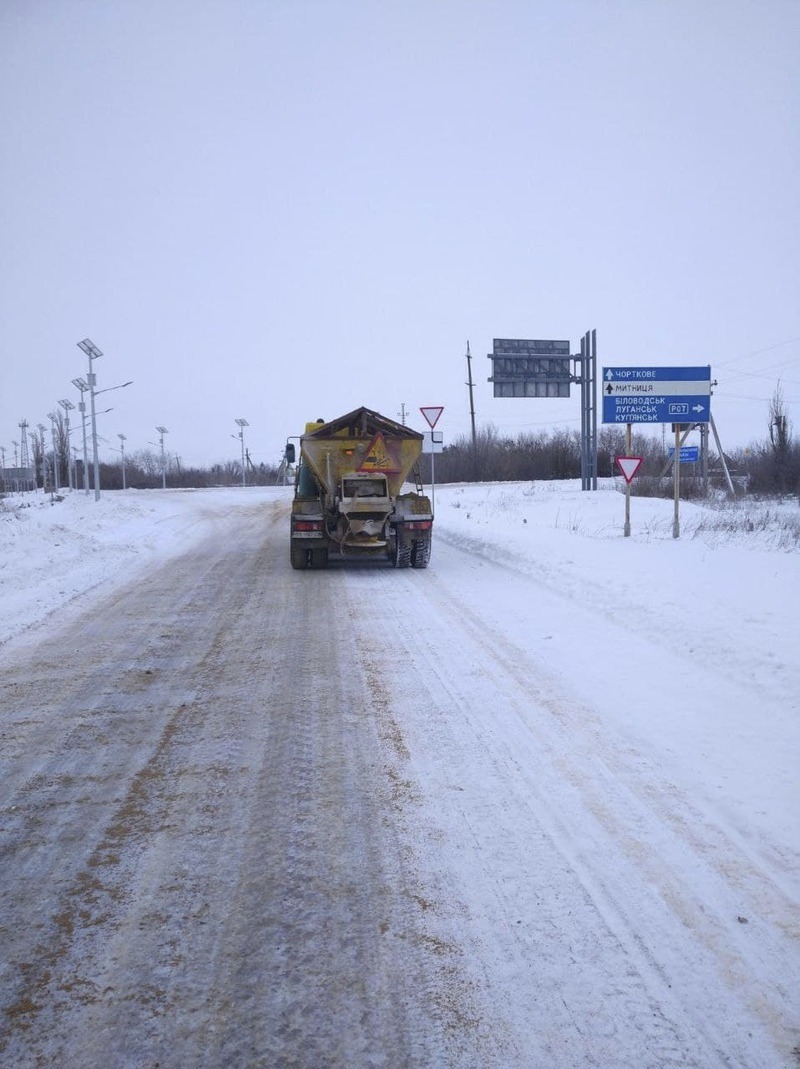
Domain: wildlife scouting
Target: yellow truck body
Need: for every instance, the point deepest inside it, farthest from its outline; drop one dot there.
(349, 493)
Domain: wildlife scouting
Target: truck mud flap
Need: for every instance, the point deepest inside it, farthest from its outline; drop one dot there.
(303, 557)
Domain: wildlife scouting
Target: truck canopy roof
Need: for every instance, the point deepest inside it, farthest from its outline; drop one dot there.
(362, 442)
(362, 423)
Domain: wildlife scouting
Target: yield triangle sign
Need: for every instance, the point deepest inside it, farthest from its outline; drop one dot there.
(628, 466)
(432, 413)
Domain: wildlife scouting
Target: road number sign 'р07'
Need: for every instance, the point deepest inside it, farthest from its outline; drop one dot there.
(656, 394)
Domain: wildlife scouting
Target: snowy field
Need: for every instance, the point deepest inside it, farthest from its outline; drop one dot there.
(611, 618)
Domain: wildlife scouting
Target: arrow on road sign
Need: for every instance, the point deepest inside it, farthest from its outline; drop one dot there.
(628, 466)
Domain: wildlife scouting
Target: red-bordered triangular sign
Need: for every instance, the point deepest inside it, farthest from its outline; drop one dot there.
(431, 414)
(378, 457)
(628, 466)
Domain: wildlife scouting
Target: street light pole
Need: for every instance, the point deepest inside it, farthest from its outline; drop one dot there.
(91, 350)
(122, 439)
(83, 386)
(53, 424)
(162, 431)
(68, 407)
(241, 424)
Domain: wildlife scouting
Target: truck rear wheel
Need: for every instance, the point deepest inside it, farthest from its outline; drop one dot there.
(420, 552)
(319, 558)
(402, 552)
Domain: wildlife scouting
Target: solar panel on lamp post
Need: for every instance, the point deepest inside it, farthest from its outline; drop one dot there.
(241, 424)
(91, 350)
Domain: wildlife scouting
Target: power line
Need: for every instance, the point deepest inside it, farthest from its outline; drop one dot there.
(765, 373)
(757, 352)
(720, 391)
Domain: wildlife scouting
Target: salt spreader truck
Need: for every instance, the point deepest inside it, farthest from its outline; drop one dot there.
(349, 496)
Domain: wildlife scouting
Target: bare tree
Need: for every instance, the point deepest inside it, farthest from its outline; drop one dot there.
(147, 460)
(62, 447)
(38, 454)
(780, 436)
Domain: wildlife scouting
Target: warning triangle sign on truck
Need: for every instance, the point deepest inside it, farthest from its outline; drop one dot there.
(431, 414)
(378, 457)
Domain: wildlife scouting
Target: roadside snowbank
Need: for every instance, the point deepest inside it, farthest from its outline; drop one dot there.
(61, 551)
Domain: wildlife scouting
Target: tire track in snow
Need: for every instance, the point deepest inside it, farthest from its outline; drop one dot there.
(231, 887)
(617, 825)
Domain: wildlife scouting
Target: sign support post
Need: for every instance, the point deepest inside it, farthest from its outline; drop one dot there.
(433, 488)
(676, 519)
(588, 364)
(628, 465)
(628, 446)
(431, 414)
(724, 463)
(677, 395)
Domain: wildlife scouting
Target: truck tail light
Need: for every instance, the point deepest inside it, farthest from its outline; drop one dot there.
(308, 525)
(418, 525)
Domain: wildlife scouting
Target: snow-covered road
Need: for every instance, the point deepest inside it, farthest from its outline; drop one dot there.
(534, 806)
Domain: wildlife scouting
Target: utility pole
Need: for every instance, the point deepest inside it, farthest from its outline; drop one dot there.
(476, 474)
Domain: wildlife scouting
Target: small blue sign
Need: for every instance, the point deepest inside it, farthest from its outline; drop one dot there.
(656, 394)
(689, 454)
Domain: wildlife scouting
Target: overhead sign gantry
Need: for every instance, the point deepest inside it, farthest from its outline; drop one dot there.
(523, 367)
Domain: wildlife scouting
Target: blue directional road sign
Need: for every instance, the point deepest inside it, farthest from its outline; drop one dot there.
(689, 454)
(656, 394)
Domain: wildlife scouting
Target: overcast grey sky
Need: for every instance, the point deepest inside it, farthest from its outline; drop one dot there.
(281, 210)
